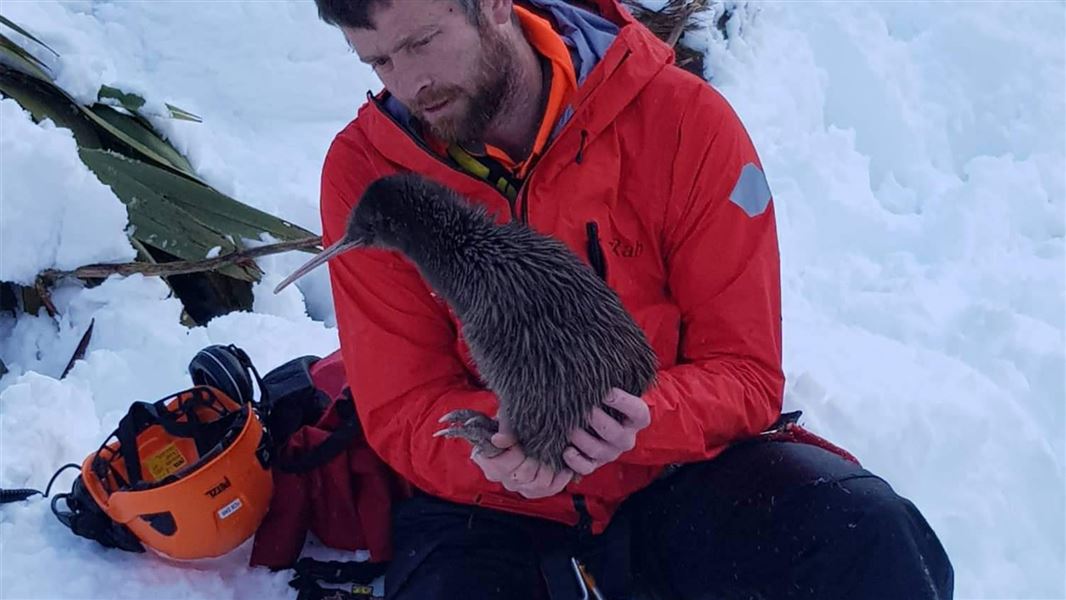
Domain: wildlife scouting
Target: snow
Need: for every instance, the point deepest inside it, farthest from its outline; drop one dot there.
(49, 195)
(916, 152)
(917, 159)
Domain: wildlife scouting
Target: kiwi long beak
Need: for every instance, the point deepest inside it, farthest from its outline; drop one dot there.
(337, 248)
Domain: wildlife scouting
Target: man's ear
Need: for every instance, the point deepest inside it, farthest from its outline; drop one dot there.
(498, 11)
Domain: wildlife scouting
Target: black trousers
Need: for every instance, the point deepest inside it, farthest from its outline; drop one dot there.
(763, 521)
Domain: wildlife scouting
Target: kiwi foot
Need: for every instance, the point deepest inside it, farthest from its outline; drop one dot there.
(474, 427)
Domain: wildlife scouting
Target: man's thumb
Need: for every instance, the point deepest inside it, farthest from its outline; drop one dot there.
(504, 437)
(503, 440)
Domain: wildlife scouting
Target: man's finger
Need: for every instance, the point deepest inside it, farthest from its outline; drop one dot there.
(543, 480)
(606, 427)
(581, 465)
(504, 436)
(633, 407)
(498, 467)
(525, 473)
(503, 440)
(559, 481)
(592, 447)
(548, 483)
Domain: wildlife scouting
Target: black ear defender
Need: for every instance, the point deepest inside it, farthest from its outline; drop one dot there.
(226, 368)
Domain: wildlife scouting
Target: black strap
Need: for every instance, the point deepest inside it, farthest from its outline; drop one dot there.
(337, 442)
(246, 362)
(82, 515)
(142, 415)
(309, 572)
(210, 435)
(136, 420)
(86, 519)
(337, 571)
(312, 591)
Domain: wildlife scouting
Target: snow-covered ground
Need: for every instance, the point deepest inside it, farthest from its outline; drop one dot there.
(917, 155)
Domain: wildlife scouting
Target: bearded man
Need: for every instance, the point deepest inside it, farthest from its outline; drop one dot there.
(572, 118)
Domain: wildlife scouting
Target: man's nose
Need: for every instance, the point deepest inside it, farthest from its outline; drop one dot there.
(412, 79)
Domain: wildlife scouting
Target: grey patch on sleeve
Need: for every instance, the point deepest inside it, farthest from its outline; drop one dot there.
(752, 192)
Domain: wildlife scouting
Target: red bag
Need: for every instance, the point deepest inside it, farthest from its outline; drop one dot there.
(327, 479)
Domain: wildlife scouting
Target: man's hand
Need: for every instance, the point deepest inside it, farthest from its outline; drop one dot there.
(517, 472)
(588, 452)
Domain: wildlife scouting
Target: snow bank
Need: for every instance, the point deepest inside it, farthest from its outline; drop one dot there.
(55, 213)
(915, 151)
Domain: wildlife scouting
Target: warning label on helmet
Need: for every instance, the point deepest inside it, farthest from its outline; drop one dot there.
(166, 461)
(229, 509)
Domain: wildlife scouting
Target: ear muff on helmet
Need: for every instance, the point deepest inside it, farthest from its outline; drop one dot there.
(225, 368)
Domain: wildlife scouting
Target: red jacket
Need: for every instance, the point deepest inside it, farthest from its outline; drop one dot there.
(661, 163)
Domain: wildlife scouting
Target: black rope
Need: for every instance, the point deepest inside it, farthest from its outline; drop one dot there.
(16, 495)
(48, 489)
(10, 495)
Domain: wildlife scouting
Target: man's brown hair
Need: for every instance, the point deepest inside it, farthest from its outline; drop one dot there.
(356, 13)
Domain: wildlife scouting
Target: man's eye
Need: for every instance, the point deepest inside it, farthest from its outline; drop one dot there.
(381, 62)
(422, 42)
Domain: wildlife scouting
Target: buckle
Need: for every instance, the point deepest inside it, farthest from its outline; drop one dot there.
(783, 423)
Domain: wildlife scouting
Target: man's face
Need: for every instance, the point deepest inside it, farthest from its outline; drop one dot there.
(453, 75)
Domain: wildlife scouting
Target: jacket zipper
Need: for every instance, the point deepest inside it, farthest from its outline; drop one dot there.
(596, 256)
(523, 199)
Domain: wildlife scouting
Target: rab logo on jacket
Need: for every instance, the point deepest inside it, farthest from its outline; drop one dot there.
(218, 489)
(626, 249)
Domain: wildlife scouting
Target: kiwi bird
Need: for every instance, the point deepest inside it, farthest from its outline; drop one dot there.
(547, 335)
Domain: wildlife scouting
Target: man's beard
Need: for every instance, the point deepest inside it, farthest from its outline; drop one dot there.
(496, 84)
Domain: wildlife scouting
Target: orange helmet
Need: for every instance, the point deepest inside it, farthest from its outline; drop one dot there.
(188, 476)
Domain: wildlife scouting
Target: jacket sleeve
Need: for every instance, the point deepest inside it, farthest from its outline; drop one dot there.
(721, 255)
(399, 348)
